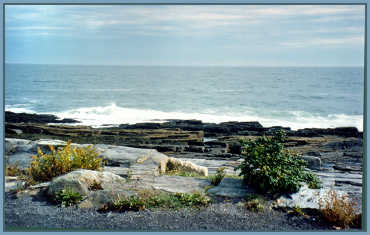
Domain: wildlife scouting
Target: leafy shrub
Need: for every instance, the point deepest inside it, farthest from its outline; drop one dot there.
(67, 197)
(268, 167)
(158, 200)
(44, 167)
(338, 210)
(217, 178)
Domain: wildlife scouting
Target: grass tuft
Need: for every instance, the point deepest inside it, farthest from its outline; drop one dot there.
(147, 199)
(13, 170)
(217, 178)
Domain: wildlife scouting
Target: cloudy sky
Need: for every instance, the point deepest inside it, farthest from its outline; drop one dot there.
(264, 35)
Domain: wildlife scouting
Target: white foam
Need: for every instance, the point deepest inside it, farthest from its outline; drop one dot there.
(113, 114)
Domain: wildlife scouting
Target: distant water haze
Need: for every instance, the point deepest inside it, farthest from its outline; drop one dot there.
(296, 97)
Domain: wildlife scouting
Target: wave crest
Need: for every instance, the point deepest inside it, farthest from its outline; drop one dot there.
(114, 115)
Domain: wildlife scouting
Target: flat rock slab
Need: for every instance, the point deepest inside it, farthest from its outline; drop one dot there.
(179, 184)
(126, 155)
(230, 187)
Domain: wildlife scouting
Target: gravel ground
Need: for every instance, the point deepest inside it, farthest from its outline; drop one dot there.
(25, 213)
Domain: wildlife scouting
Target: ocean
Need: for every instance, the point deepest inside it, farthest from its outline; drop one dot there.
(295, 97)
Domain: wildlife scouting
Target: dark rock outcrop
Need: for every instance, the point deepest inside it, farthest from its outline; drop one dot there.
(339, 131)
(35, 118)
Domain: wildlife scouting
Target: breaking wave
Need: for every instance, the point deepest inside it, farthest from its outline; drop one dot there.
(114, 115)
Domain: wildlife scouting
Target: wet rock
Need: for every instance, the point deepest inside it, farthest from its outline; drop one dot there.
(145, 125)
(312, 162)
(347, 168)
(345, 144)
(341, 182)
(197, 149)
(230, 187)
(353, 154)
(313, 153)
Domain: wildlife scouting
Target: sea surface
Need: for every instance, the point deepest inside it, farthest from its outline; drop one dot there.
(295, 97)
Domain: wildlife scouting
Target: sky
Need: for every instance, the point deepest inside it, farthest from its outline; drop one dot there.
(186, 35)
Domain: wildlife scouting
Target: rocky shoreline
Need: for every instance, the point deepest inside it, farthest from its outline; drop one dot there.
(334, 154)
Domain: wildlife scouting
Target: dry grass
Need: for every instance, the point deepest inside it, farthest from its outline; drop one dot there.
(13, 170)
(338, 210)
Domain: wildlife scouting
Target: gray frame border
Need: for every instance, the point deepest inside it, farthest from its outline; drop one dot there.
(366, 185)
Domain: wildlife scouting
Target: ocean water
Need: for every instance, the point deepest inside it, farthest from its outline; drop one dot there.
(296, 97)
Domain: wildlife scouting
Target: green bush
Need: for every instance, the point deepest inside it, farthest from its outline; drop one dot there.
(217, 178)
(67, 197)
(268, 167)
(44, 167)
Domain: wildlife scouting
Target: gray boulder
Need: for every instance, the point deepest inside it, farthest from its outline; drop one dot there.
(81, 180)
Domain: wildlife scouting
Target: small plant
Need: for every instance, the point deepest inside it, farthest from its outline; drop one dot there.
(192, 200)
(157, 199)
(217, 178)
(255, 205)
(44, 167)
(13, 170)
(270, 168)
(95, 186)
(338, 210)
(297, 211)
(132, 203)
(129, 175)
(67, 197)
